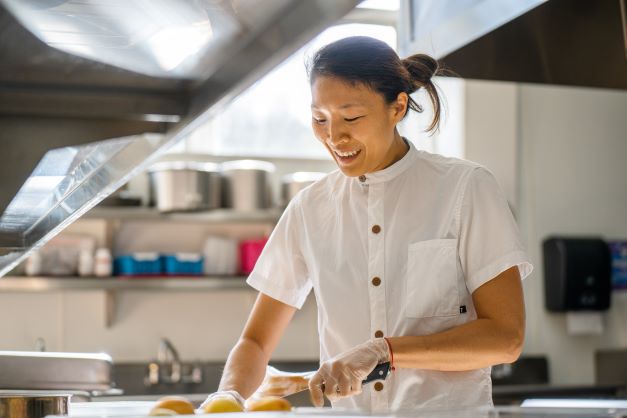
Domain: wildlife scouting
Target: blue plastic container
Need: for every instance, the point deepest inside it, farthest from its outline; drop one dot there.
(182, 264)
(138, 264)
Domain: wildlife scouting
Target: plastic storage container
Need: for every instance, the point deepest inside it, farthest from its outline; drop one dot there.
(138, 264)
(182, 264)
(249, 252)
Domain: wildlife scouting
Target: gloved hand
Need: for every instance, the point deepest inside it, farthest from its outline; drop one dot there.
(343, 374)
(215, 402)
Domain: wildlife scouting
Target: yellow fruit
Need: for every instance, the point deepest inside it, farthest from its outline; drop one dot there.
(161, 412)
(176, 404)
(269, 403)
(222, 404)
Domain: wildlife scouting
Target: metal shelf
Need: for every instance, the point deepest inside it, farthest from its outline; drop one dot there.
(182, 283)
(216, 215)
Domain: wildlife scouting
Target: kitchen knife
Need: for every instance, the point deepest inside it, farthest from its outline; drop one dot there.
(285, 384)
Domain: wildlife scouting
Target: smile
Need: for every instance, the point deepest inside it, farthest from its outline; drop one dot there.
(347, 154)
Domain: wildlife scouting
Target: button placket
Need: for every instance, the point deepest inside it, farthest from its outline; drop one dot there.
(376, 268)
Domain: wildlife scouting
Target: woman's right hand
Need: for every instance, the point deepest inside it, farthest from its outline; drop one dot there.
(223, 401)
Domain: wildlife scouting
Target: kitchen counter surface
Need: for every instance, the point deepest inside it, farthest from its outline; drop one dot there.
(141, 408)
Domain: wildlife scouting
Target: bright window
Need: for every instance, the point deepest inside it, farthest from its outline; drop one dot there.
(272, 118)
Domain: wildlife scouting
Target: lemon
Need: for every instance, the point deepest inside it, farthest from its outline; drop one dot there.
(222, 404)
(175, 404)
(161, 412)
(269, 403)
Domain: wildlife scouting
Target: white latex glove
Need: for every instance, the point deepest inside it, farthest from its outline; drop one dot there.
(223, 394)
(343, 374)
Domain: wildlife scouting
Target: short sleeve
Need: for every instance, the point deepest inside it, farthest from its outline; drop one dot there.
(489, 240)
(281, 271)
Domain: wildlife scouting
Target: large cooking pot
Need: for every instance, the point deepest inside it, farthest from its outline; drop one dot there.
(185, 186)
(293, 183)
(25, 405)
(247, 184)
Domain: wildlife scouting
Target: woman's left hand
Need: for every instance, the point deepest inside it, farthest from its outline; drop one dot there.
(342, 375)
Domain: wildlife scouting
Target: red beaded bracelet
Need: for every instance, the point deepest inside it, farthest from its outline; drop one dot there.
(391, 353)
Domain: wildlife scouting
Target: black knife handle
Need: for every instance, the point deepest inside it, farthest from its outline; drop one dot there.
(379, 373)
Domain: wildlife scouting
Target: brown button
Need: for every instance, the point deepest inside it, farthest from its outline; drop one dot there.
(376, 281)
(378, 386)
(362, 178)
(378, 334)
(376, 229)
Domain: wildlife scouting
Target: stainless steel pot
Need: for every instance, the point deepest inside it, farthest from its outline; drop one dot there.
(33, 406)
(247, 184)
(185, 186)
(293, 183)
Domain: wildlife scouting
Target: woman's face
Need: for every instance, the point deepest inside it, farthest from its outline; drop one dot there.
(356, 125)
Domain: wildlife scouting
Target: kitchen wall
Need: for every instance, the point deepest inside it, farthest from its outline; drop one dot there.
(559, 153)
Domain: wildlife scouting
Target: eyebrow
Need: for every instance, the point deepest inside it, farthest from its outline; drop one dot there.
(344, 106)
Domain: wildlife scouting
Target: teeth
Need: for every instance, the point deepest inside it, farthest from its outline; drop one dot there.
(346, 154)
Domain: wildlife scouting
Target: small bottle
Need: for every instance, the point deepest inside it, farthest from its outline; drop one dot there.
(102, 263)
(85, 263)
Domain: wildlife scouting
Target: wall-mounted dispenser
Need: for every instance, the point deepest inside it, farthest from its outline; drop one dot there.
(577, 274)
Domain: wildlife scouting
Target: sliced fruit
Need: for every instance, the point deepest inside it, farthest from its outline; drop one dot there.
(269, 403)
(222, 404)
(176, 404)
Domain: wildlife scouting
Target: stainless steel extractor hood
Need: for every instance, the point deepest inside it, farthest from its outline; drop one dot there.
(568, 42)
(92, 91)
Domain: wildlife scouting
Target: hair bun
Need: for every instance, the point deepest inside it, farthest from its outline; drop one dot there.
(421, 67)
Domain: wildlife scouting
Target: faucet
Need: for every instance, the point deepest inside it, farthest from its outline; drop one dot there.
(167, 355)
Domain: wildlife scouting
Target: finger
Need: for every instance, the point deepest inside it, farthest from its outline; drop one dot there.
(356, 387)
(316, 388)
(330, 387)
(344, 386)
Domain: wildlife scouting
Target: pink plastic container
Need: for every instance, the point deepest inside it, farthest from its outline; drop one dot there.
(249, 251)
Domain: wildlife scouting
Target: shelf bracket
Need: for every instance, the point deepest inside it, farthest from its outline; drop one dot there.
(110, 307)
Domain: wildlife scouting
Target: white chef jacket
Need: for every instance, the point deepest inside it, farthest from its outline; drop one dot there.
(393, 253)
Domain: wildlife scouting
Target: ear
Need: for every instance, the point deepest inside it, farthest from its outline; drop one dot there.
(399, 106)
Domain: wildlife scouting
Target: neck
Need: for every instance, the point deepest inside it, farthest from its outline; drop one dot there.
(398, 149)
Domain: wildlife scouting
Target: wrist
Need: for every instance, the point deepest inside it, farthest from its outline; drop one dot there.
(382, 349)
(391, 352)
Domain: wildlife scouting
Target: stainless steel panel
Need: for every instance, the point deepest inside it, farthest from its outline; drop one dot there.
(438, 27)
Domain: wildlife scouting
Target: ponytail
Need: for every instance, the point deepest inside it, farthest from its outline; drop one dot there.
(421, 69)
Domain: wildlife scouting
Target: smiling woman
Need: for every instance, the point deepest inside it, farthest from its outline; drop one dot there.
(414, 258)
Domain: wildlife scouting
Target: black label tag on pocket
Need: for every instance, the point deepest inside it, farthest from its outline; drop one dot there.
(462, 309)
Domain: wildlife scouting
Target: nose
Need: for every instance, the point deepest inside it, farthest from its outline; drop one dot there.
(335, 134)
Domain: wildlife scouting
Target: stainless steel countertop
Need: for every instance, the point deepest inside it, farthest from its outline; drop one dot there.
(135, 409)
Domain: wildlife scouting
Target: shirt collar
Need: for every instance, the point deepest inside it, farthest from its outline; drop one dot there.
(392, 171)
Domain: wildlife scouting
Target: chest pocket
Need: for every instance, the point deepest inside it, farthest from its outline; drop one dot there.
(432, 279)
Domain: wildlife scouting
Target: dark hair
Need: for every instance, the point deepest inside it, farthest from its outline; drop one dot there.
(365, 60)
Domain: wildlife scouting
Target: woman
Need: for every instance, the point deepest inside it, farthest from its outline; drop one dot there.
(414, 258)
